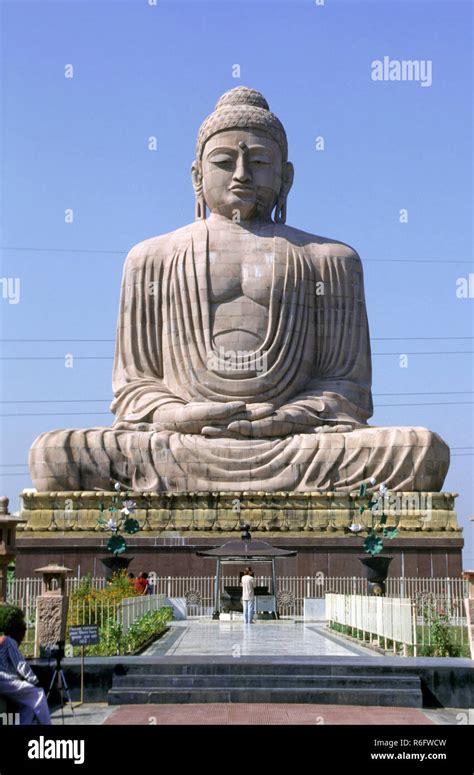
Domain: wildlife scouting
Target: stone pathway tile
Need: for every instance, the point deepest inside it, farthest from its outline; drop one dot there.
(207, 638)
(264, 714)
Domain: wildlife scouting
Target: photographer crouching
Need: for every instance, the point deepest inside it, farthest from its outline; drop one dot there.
(18, 683)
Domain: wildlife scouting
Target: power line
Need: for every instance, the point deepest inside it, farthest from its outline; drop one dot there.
(65, 250)
(125, 252)
(455, 454)
(427, 393)
(431, 352)
(16, 465)
(57, 357)
(65, 340)
(111, 357)
(59, 401)
(51, 414)
(26, 473)
(108, 400)
(373, 339)
(69, 414)
(426, 403)
(398, 338)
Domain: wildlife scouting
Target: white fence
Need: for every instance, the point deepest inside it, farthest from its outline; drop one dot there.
(132, 608)
(23, 592)
(390, 618)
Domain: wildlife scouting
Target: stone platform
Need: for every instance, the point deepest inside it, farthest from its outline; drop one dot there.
(63, 527)
(191, 512)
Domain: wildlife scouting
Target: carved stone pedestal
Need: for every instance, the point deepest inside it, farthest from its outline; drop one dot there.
(62, 527)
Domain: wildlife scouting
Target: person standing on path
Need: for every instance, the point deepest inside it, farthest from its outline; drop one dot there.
(248, 595)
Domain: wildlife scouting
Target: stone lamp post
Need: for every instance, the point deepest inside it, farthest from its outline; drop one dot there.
(8, 525)
(51, 607)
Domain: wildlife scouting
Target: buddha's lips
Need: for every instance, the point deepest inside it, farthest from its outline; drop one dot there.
(241, 190)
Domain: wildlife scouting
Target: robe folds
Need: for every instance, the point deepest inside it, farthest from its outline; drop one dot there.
(315, 354)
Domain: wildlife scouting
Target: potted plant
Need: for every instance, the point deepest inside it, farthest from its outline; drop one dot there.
(375, 565)
(121, 520)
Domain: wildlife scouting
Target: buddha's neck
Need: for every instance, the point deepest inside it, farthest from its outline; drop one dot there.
(251, 223)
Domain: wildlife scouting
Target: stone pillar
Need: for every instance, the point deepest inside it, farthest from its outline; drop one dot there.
(469, 603)
(8, 525)
(51, 608)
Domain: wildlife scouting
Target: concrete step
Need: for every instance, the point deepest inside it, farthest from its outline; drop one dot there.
(265, 681)
(239, 666)
(406, 698)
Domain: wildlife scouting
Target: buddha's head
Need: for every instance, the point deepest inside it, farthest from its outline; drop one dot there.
(241, 169)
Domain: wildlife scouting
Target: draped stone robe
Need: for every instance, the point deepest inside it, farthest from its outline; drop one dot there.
(316, 353)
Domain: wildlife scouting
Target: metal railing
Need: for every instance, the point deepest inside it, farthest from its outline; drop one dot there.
(198, 591)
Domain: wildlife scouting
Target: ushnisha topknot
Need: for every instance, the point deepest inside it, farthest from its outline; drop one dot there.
(242, 108)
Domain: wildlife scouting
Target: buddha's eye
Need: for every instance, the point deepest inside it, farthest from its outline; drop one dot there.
(262, 162)
(221, 158)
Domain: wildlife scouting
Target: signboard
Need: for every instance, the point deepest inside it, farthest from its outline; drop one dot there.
(84, 635)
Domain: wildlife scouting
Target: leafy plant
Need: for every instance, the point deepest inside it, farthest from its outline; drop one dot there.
(94, 606)
(149, 625)
(120, 520)
(113, 642)
(10, 616)
(110, 644)
(377, 530)
(439, 630)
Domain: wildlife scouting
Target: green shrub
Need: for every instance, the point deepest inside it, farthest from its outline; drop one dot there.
(97, 606)
(110, 640)
(440, 632)
(441, 641)
(113, 642)
(10, 616)
(149, 625)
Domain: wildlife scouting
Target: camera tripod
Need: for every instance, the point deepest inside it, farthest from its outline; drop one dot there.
(58, 681)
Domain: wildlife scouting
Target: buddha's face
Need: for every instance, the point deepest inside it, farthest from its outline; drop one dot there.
(241, 174)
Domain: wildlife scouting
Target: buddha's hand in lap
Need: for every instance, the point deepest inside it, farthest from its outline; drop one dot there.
(206, 417)
(194, 416)
(248, 413)
(288, 420)
(209, 418)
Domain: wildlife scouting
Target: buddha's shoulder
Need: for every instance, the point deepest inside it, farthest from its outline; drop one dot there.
(158, 248)
(317, 246)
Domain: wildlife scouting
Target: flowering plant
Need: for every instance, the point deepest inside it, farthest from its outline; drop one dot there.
(377, 530)
(120, 520)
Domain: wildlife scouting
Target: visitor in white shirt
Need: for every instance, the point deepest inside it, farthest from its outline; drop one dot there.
(17, 680)
(248, 595)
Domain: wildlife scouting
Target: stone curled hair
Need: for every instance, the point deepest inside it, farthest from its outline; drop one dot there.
(242, 108)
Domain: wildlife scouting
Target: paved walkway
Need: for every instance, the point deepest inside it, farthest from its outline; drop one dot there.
(259, 713)
(266, 638)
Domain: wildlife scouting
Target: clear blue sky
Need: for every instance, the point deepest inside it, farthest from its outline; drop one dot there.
(142, 70)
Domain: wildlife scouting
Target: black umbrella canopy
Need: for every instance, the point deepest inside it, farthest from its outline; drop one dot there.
(235, 549)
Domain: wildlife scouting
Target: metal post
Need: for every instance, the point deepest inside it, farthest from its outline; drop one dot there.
(274, 587)
(81, 701)
(216, 614)
(415, 634)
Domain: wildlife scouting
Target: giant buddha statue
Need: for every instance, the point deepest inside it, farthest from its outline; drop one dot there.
(243, 357)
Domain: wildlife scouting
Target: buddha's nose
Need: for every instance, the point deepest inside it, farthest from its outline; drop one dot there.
(242, 172)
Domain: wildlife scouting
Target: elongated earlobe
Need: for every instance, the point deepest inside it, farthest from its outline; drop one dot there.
(200, 208)
(280, 209)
